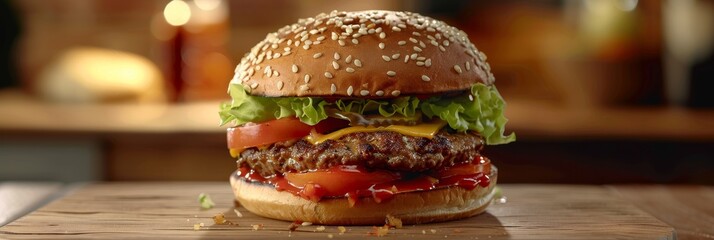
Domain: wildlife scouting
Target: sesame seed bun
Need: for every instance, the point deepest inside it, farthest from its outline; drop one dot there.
(369, 54)
(436, 205)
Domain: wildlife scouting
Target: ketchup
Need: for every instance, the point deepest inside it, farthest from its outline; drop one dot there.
(382, 191)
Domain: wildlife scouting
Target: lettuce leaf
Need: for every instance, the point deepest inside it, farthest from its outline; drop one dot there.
(480, 111)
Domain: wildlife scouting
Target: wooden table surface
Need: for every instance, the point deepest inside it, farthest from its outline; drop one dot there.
(170, 210)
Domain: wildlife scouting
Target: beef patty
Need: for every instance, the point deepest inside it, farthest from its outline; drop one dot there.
(375, 150)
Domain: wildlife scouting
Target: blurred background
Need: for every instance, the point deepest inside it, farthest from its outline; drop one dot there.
(599, 91)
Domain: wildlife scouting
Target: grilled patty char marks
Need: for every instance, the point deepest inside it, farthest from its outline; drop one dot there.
(376, 150)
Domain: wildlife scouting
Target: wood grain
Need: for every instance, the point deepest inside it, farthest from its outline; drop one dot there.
(170, 210)
(690, 209)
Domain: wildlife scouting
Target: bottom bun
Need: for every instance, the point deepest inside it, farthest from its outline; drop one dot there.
(437, 205)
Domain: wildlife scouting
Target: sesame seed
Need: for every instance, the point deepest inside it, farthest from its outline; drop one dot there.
(356, 35)
(287, 49)
(358, 63)
(442, 48)
(431, 29)
(317, 55)
(417, 49)
(336, 56)
(425, 78)
(420, 63)
(254, 85)
(468, 66)
(386, 58)
(416, 33)
(328, 75)
(422, 44)
(306, 78)
(401, 25)
(364, 92)
(296, 43)
(276, 73)
(406, 59)
(391, 73)
(413, 56)
(446, 43)
(395, 56)
(382, 35)
(396, 29)
(280, 85)
(428, 62)
(295, 68)
(379, 93)
(457, 68)
(348, 59)
(396, 93)
(304, 88)
(413, 40)
(342, 43)
(349, 91)
(381, 45)
(355, 41)
(401, 43)
(435, 43)
(306, 47)
(334, 36)
(378, 30)
(320, 38)
(333, 88)
(335, 65)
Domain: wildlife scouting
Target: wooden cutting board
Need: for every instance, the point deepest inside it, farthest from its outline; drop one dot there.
(171, 210)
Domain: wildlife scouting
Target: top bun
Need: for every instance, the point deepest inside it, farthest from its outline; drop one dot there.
(368, 54)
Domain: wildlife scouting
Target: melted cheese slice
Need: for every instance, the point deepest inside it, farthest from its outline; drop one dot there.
(427, 130)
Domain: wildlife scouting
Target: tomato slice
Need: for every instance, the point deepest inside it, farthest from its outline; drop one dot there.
(259, 134)
(253, 135)
(479, 165)
(340, 180)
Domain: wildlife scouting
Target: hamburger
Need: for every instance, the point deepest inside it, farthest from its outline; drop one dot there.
(347, 117)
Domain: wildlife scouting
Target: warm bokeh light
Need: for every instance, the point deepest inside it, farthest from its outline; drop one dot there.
(177, 13)
(207, 5)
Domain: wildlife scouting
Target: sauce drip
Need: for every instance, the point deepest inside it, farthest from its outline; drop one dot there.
(407, 182)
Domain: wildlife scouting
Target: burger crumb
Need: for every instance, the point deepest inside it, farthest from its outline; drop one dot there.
(201, 224)
(330, 235)
(306, 223)
(294, 225)
(237, 213)
(458, 230)
(219, 218)
(379, 231)
(393, 221)
(196, 227)
(320, 228)
(342, 230)
(423, 231)
(257, 227)
(432, 230)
